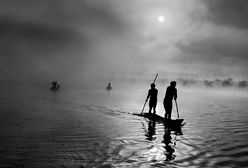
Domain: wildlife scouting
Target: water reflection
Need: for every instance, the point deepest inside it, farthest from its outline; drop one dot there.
(168, 142)
(151, 132)
(169, 145)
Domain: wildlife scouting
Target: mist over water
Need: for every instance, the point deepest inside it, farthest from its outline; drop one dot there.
(75, 127)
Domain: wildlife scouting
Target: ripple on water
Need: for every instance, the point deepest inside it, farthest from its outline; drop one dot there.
(61, 134)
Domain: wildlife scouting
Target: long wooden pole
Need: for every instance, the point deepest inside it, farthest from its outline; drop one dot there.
(146, 99)
(143, 107)
(155, 78)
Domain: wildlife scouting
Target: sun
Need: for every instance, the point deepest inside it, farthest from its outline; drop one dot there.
(161, 18)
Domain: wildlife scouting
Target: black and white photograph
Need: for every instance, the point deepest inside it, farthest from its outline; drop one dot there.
(123, 83)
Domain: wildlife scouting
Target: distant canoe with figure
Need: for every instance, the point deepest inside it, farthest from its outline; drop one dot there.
(109, 87)
(54, 87)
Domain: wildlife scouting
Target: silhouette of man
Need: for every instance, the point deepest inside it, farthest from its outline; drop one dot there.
(171, 92)
(109, 86)
(152, 94)
(55, 85)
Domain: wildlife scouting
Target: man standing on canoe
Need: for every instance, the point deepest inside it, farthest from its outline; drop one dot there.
(171, 92)
(152, 94)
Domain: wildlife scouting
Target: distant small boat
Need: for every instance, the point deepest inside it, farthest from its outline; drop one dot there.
(109, 86)
(174, 123)
(55, 87)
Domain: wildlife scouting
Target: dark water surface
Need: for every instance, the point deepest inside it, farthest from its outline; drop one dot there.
(96, 128)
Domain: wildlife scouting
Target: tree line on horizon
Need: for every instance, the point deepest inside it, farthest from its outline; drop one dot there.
(228, 82)
(188, 82)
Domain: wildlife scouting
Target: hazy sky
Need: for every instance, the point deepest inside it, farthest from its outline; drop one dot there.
(78, 39)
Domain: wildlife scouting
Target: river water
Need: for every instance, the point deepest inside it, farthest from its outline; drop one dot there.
(78, 128)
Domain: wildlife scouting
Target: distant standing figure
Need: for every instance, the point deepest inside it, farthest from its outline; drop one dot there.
(171, 92)
(109, 86)
(55, 85)
(152, 94)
